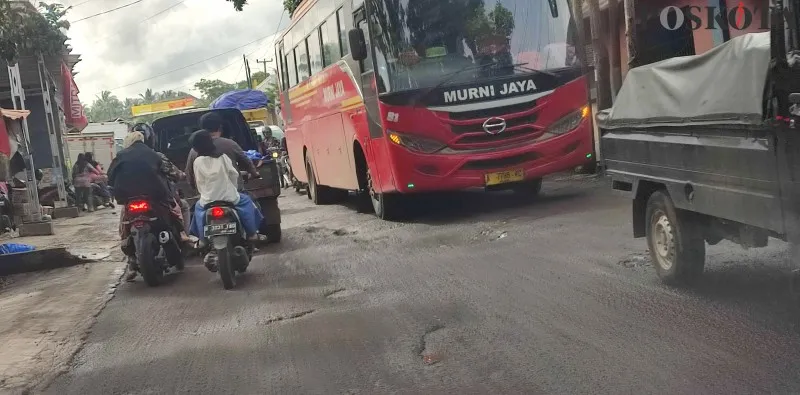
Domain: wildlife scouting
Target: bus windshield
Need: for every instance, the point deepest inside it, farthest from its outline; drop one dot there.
(418, 43)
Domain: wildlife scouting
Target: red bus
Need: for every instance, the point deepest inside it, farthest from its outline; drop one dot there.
(393, 97)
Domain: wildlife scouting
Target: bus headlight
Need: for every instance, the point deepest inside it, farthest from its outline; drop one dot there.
(416, 143)
(569, 122)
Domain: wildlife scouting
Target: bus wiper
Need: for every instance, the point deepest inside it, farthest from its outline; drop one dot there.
(494, 65)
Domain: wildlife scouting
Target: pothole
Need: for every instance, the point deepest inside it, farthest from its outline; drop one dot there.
(431, 346)
(635, 261)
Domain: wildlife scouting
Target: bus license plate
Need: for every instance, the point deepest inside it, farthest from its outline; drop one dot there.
(502, 177)
(220, 229)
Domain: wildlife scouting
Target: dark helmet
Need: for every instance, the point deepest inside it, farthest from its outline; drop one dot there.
(147, 132)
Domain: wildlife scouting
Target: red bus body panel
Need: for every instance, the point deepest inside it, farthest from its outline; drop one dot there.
(329, 120)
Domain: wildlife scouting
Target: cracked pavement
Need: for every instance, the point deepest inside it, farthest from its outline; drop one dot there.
(476, 293)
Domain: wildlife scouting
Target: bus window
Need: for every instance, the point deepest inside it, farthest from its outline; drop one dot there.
(301, 53)
(366, 64)
(331, 51)
(343, 44)
(314, 52)
(291, 70)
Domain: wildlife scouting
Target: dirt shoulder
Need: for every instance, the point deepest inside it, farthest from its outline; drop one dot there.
(47, 315)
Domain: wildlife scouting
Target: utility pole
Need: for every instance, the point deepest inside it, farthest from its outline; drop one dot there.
(630, 32)
(247, 72)
(601, 73)
(577, 10)
(614, 48)
(264, 62)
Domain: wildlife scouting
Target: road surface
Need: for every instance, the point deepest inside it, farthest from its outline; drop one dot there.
(477, 293)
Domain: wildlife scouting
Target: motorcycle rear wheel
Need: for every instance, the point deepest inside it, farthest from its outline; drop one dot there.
(146, 259)
(227, 273)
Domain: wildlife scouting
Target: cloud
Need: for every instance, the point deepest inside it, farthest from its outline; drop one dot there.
(122, 47)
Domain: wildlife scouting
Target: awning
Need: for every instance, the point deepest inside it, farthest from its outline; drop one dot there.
(14, 114)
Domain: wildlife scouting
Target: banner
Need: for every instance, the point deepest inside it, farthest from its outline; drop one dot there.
(165, 106)
(74, 116)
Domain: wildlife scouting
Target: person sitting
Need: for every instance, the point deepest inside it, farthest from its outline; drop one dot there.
(81, 179)
(99, 179)
(138, 170)
(216, 178)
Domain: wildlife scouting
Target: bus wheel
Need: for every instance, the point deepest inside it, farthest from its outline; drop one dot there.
(529, 188)
(319, 194)
(385, 205)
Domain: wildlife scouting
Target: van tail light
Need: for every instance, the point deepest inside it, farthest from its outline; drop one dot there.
(138, 207)
(217, 212)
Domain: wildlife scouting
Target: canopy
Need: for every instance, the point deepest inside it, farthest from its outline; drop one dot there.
(14, 114)
(245, 99)
(722, 86)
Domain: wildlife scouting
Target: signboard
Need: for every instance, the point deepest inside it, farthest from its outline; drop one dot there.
(74, 114)
(165, 106)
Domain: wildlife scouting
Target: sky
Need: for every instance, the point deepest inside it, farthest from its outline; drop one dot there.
(143, 41)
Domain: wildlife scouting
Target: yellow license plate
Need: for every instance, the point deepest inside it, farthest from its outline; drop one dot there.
(502, 177)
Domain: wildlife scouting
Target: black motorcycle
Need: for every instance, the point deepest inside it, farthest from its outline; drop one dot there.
(155, 240)
(227, 249)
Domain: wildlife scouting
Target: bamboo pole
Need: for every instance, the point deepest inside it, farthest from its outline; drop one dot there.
(614, 47)
(600, 56)
(630, 32)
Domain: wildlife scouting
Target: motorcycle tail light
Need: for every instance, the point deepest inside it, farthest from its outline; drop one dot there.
(138, 207)
(217, 212)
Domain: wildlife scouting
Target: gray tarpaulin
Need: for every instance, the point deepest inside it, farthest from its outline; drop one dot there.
(722, 86)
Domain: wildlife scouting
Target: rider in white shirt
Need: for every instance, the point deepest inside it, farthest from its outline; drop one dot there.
(216, 178)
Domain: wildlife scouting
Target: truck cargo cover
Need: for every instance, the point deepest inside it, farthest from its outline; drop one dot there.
(722, 86)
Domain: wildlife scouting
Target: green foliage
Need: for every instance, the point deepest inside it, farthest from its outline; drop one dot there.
(291, 5)
(212, 89)
(238, 4)
(25, 32)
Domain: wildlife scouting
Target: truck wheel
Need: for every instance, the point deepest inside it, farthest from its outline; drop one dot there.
(676, 242)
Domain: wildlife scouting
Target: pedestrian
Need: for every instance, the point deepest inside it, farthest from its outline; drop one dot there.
(82, 181)
(99, 179)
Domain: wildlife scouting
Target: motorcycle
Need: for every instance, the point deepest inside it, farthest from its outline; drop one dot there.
(155, 240)
(225, 236)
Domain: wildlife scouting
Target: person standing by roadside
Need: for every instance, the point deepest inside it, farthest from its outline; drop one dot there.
(82, 181)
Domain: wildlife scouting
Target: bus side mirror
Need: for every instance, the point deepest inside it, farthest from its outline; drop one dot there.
(358, 44)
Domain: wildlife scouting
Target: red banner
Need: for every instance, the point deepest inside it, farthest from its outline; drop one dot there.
(73, 109)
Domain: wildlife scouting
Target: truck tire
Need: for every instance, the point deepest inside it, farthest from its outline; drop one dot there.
(676, 242)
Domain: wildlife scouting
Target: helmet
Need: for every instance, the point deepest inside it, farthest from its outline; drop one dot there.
(147, 132)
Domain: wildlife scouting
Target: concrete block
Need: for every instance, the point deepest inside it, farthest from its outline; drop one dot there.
(66, 212)
(36, 229)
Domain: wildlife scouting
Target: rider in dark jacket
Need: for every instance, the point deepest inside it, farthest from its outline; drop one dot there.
(138, 170)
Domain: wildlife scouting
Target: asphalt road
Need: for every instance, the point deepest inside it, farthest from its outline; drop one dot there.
(478, 293)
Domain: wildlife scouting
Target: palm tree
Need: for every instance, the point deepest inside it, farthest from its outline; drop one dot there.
(148, 96)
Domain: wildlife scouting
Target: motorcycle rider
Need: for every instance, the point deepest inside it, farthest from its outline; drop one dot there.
(216, 179)
(138, 170)
(212, 123)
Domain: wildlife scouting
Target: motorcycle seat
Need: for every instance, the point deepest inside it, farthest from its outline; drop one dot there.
(220, 203)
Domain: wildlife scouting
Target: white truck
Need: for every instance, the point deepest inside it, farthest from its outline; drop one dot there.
(103, 139)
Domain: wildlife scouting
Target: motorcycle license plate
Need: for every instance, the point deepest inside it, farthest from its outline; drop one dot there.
(220, 229)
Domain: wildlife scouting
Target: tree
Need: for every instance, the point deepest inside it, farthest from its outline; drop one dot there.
(212, 89)
(238, 4)
(148, 97)
(24, 32)
(106, 107)
(291, 5)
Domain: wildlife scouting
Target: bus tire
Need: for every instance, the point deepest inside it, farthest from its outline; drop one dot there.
(676, 242)
(387, 206)
(529, 188)
(319, 194)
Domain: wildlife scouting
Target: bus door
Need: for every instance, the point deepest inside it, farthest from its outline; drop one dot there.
(369, 116)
